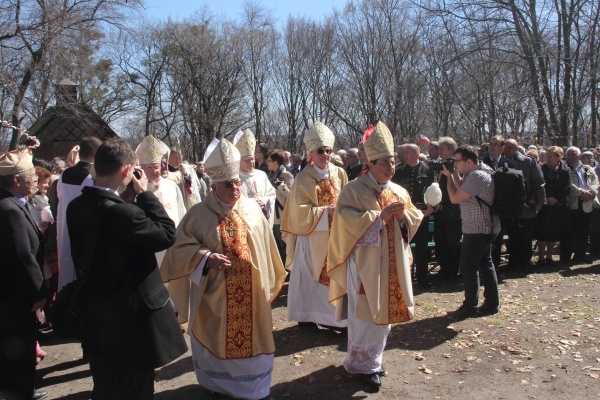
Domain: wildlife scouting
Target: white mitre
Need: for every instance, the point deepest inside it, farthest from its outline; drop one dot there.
(151, 151)
(245, 142)
(222, 161)
(317, 136)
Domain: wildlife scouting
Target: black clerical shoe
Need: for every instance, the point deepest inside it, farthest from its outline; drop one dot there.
(373, 380)
(39, 395)
(307, 325)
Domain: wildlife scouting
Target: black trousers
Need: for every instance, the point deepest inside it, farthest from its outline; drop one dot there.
(499, 241)
(595, 232)
(421, 252)
(119, 385)
(448, 234)
(17, 351)
(577, 242)
(281, 246)
(520, 239)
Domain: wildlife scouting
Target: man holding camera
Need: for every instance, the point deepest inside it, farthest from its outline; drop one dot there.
(479, 227)
(414, 176)
(130, 327)
(447, 225)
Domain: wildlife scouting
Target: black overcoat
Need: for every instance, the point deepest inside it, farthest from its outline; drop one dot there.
(131, 324)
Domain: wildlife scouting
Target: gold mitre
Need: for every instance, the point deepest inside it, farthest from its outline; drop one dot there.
(222, 161)
(318, 135)
(16, 161)
(245, 142)
(380, 143)
(151, 151)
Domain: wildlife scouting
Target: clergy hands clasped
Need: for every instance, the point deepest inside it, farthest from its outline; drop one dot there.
(395, 209)
(218, 261)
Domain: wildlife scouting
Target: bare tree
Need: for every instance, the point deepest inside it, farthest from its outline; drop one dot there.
(35, 27)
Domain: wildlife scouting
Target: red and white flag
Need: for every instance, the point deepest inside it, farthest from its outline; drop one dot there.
(424, 139)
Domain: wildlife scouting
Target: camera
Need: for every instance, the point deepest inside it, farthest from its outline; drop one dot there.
(137, 174)
(436, 165)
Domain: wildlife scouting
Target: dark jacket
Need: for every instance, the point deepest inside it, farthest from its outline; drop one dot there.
(487, 160)
(446, 209)
(534, 184)
(21, 255)
(414, 179)
(558, 183)
(354, 172)
(130, 322)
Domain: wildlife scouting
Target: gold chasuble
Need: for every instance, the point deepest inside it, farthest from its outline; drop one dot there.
(305, 205)
(231, 314)
(385, 294)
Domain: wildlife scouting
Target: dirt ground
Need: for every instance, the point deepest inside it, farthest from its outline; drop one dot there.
(544, 344)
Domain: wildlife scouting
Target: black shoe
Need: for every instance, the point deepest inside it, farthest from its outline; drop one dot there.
(373, 380)
(488, 310)
(307, 325)
(463, 312)
(39, 395)
(424, 285)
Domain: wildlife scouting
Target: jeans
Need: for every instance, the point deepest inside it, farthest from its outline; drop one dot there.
(476, 262)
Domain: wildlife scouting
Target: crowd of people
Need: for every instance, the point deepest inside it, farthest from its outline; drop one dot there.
(160, 245)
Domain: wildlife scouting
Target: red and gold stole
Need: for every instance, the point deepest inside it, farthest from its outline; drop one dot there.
(398, 312)
(326, 195)
(238, 281)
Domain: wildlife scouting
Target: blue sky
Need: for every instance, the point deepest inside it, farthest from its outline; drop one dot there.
(312, 9)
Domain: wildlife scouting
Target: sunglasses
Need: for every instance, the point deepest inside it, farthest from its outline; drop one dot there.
(231, 184)
(324, 151)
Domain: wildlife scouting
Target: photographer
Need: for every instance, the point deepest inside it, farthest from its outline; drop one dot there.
(447, 224)
(282, 181)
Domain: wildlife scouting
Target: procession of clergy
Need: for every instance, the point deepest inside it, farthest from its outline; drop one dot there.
(348, 252)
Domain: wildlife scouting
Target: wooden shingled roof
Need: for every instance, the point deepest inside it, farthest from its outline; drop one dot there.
(63, 126)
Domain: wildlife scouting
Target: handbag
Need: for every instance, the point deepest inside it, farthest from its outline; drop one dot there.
(67, 312)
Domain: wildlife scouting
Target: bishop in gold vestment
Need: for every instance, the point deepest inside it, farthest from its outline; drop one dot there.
(369, 257)
(225, 247)
(305, 228)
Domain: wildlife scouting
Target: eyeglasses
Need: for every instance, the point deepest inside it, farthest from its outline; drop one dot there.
(231, 184)
(324, 151)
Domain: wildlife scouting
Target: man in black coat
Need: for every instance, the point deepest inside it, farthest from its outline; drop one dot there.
(495, 158)
(131, 328)
(22, 289)
(447, 222)
(414, 176)
(354, 167)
